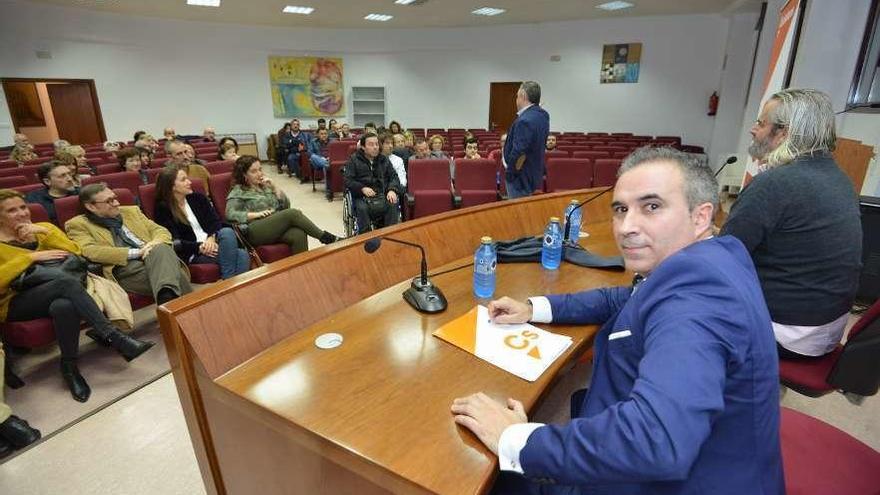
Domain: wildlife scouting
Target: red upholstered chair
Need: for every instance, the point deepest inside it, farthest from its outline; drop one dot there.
(220, 185)
(592, 155)
(29, 172)
(337, 182)
(117, 180)
(152, 173)
(671, 139)
(605, 172)
(853, 368)
(35, 162)
(820, 459)
(38, 213)
(106, 168)
(158, 162)
(337, 151)
(557, 153)
(475, 182)
(429, 187)
(620, 154)
(13, 181)
(27, 188)
(147, 194)
(220, 167)
(8, 164)
(568, 173)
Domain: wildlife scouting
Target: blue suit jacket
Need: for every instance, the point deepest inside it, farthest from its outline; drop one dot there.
(688, 402)
(527, 136)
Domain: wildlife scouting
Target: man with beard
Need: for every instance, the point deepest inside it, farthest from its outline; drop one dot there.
(800, 222)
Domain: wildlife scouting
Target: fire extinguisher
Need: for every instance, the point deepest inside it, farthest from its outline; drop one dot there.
(713, 103)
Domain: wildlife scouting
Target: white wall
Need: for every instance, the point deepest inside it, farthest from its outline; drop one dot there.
(151, 73)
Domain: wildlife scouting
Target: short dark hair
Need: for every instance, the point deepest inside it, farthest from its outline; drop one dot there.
(138, 135)
(386, 136)
(125, 153)
(698, 180)
(370, 124)
(367, 135)
(88, 192)
(472, 140)
(242, 165)
(322, 119)
(45, 169)
(532, 91)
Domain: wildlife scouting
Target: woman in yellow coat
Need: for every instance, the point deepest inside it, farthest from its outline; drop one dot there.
(64, 299)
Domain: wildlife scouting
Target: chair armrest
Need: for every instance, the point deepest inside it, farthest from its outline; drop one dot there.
(410, 199)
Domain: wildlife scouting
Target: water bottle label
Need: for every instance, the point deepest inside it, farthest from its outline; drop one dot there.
(549, 241)
(485, 267)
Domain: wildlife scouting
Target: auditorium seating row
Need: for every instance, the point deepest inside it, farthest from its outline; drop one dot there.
(204, 151)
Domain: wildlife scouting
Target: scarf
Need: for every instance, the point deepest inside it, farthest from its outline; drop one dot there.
(121, 235)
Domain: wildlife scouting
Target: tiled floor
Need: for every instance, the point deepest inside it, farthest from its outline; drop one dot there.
(140, 444)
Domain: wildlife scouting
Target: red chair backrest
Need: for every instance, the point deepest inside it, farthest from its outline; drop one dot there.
(557, 153)
(107, 168)
(569, 173)
(152, 173)
(592, 155)
(127, 180)
(475, 175)
(338, 151)
(220, 186)
(605, 172)
(38, 213)
(27, 188)
(220, 166)
(8, 164)
(148, 199)
(198, 185)
(428, 174)
(13, 181)
(158, 162)
(68, 206)
(29, 172)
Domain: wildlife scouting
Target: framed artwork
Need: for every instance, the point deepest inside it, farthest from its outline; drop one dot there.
(620, 63)
(307, 86)
(24, 104)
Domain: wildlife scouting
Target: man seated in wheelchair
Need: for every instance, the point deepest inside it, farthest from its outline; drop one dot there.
(374, 186)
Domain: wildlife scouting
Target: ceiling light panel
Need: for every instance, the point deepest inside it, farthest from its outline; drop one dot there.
(614, 6)
(378, 17)
(204, 3)
(404, 2)
(293, 9)
(488, 11)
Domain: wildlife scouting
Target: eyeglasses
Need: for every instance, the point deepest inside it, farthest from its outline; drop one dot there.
(109, 201)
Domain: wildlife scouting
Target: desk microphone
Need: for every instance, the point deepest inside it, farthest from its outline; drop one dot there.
(422, 295)
(730, 160)
(568, 216)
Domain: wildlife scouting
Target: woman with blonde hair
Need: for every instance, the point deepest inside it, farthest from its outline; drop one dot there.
(436, 143)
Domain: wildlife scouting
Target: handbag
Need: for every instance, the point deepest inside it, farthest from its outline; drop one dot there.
(251, 251)
(37, 274)
(376, 206)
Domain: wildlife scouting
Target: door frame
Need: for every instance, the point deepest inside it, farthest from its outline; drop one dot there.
(489, 124)
(94, 93)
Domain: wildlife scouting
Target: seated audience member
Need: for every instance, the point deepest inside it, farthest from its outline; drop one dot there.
(470, 149)
(409, 140)
(112, 147)
(800, 221)
(322, 124)
(170, 134)
(191, 154)
(132, 160)
(291, 144)
(344, 131)
(333, 128)
(135, 251)
(209, 135)
(317, 149)
(255, 202)
(23, 150)
(60, 145)
(373, 184)
(227, 141)
(15, 433)
(181, 160)
(551, 142)
(199, 235)
(59, 183)
(370, 128)
(394, 127)
(436, 142)
(685, 375)
(386, 144)
(496, 154)
(228, 152)
(400, 148)
(138, 135)
(422, 151)
(62, 298)
(74, 157)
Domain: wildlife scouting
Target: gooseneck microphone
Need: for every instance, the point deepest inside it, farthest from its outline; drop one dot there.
(568, 216)
(422, 295)
(730, 160)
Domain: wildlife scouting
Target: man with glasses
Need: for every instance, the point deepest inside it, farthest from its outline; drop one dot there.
(59, 183)
(135, 251)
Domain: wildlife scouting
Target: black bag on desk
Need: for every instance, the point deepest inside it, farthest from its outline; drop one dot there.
(72, 266)
(528, 249)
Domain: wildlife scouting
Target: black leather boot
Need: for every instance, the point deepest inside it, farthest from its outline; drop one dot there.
(79, 389)
(328, 238)
(5, 448)
(18, 433)
(10, 378)
(128, 346)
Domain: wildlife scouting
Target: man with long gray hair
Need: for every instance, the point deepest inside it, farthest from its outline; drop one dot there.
(800, 222)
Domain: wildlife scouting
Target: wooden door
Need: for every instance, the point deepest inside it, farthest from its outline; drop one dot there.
(502, 104)
(77, 116)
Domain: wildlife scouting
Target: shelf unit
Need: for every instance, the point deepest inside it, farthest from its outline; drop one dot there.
(368, 105)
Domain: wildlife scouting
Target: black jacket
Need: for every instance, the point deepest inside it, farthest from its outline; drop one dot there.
(204, 212)
(380, 176)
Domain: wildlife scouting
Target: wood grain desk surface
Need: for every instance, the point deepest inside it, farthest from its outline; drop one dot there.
(385, 393)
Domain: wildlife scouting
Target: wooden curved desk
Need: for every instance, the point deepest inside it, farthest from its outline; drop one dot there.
(268, 412)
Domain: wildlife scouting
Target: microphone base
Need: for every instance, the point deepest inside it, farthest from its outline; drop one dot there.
(427, 298)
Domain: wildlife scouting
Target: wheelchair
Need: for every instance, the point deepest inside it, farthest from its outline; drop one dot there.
(349, 219)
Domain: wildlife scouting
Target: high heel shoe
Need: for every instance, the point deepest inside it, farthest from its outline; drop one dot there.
(79, 389)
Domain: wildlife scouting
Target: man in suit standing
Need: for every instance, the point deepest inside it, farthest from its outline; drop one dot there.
(685, 377)
(523, 155)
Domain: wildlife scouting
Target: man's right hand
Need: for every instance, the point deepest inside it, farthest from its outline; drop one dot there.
(145, 250)
(48, 255)
(368, 192)
(507, 310)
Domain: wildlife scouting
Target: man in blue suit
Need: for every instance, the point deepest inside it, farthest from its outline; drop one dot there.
(684, 392)
(523, 155)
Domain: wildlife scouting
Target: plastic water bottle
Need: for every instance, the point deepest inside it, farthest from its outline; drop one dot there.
(485, 261)
(551, 254)
(574, 219)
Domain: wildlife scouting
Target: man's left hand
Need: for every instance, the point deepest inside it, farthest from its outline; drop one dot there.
(392, 197)
(488, 418)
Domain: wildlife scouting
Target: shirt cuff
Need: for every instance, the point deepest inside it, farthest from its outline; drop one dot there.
(134, 253)
(541, 310)
(503, 161)
(513, 440)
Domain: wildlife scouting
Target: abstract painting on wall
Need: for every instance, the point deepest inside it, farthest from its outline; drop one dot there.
(620, 63)
(307, 86)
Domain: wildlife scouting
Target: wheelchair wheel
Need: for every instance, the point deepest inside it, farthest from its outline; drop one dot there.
(349, 222)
